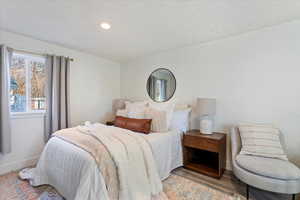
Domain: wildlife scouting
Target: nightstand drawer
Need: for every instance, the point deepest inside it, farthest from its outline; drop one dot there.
(200, 143)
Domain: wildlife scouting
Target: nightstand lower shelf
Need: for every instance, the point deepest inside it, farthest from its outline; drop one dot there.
(205, 153)
(204, 169)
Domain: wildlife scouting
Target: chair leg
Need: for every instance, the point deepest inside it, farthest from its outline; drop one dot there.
(247, 191)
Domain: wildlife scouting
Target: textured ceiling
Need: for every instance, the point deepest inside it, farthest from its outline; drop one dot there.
(140, 27)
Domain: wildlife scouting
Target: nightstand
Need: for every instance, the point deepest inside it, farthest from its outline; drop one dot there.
(205, 153)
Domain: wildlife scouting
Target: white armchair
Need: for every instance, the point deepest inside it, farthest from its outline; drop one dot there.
(264, 173)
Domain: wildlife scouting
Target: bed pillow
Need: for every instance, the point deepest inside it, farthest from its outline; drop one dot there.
(261, 140)
(122, 113)
(136, 109)
(167, 107)
(159, 119)
(136, 125)
(181, 106)
(180, 120)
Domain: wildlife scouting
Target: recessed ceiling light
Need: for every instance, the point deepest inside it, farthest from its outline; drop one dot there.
(105, 25)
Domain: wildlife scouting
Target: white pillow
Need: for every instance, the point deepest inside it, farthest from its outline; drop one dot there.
(180, 120)
(136, 109)
(261, 140)
(122, 113)
(181, 106)
(159, 119)
(129, 104)
(168, 107)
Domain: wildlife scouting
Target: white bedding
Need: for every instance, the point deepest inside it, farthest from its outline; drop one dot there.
(167, 151)
(75, 174)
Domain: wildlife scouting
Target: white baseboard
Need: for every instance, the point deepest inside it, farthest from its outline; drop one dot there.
(17, 165)
(228, 165)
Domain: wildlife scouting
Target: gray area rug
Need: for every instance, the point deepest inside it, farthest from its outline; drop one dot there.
(255, 194)
(50, 196)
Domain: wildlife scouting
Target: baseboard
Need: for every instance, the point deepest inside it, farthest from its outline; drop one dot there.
(17, 165)
(228, 165)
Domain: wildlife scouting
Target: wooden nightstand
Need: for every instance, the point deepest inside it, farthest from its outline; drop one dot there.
(205, 153)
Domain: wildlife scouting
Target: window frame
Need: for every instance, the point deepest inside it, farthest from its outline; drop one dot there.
(29, 112)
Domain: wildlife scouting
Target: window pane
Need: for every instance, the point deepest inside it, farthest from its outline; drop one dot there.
(18, 84)
(38, 82)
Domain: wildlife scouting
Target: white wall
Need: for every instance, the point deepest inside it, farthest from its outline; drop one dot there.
(254, 77)
(94, 83)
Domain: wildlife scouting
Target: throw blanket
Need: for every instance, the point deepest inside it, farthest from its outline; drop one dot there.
(124, 159)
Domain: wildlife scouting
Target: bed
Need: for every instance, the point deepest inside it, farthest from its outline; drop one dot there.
(99, 162)
(75, 174)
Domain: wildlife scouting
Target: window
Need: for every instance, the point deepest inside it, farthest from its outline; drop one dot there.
(27, 83)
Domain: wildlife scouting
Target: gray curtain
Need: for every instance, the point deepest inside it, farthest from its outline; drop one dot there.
(57, 97)
(5, 127)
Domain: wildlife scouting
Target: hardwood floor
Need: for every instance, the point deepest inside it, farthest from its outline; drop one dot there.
(227, 183)
(230, 184)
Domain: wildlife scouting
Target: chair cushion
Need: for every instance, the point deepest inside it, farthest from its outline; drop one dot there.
(269, 167)
(261, 140)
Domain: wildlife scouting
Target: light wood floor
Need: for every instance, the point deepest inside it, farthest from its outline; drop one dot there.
(229, 184)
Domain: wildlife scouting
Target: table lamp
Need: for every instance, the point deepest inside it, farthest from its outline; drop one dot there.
(206, 110)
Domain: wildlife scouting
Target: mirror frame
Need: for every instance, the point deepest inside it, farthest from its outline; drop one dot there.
(162, 68)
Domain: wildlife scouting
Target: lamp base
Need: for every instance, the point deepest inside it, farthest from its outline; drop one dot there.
(206, 126)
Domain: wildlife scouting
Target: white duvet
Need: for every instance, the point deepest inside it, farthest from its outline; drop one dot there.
(74, 172)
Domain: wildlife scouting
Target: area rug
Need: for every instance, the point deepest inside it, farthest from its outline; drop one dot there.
(176, 188)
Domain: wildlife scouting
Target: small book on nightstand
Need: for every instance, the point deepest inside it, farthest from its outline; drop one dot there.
(205, 153)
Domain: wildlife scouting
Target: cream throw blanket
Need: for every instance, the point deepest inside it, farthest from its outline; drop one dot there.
(133, 162)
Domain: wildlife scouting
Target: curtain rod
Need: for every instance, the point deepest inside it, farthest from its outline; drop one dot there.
(34, 53)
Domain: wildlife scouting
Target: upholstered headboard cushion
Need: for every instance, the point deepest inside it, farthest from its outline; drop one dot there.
(137, 125)
(118, 104)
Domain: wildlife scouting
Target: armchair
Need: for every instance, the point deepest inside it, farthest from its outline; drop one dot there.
(264, 173)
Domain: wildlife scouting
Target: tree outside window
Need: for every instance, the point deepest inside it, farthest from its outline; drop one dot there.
(27, 83)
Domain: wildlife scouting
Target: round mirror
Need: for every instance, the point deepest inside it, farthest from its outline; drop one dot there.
(161, 85)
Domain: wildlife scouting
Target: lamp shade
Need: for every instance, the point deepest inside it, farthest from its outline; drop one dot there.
(206, 106)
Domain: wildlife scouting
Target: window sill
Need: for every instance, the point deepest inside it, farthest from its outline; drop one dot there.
(27, 115)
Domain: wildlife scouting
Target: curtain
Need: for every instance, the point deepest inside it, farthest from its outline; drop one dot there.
(57, 94)
(5, 127)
